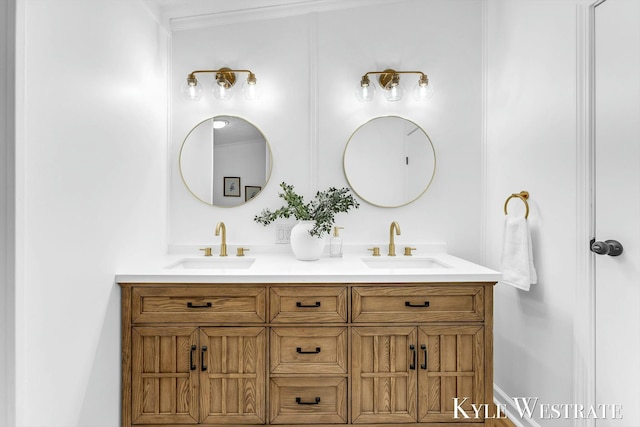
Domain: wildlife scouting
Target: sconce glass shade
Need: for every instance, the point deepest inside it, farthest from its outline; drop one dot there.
(192, 90)
(365, 93)
(424, 90)
(250, 88)
(222, 90)
(422, 93)
(394, 92)
(365, 90)
(390, 82)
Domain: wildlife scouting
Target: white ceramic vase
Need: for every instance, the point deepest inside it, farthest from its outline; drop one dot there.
(306, 247)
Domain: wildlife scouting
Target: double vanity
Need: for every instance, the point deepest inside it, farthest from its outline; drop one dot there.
(267, 339)
(262, 338)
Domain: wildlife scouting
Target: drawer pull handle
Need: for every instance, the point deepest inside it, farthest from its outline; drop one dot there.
(192, 305)
(425, 305)
(300, 305)
(203, 358)
(413, 364)
(300, 402)
(423, 347)
(299, 350)
(192, 365)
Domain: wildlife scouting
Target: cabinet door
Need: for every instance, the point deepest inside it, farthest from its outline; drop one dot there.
(451, 364)
(164, 378)
(232, 375)
(384, 363)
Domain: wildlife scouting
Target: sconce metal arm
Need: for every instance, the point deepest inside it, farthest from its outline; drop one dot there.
(395, 72)
(386, 77)
(225, 73)
(221, 70)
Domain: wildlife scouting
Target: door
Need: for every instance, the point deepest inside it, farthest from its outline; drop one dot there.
(164, 375)
(232, 375)
(617, 207)
(451, 365)
(384, 367)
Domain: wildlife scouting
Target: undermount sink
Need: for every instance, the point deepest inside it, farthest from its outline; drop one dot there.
(212, 263)
(403, 263)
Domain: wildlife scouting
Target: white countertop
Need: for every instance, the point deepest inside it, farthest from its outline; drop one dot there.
(282, 267)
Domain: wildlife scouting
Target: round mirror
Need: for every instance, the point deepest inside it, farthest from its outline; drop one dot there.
(225, 161)
(389, 161)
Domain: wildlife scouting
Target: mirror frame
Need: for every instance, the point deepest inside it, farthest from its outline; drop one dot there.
(433, 174)
(184, 141)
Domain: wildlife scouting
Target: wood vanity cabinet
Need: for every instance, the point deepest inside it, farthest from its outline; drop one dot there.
(305, 354)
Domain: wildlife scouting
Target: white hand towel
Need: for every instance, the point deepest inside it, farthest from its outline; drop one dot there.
(517, 254)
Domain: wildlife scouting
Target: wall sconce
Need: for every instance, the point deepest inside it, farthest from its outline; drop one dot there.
(225, 79)
(389, 81)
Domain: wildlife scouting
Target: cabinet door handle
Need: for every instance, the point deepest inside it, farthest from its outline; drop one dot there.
(300, 402)
(608, 247)
(413, 364)
(192, 365)
(203, 358)
(423, 347)
(192, 305)
(299, 350)
(408, 304)
(300, 305)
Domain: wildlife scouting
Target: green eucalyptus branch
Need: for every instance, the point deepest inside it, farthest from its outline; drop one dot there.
(321, 209)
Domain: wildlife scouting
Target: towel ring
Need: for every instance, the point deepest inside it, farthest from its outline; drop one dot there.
(523, 195)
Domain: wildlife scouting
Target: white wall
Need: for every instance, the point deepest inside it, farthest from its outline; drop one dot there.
(309, 67)
(91, 174)
(532, 145)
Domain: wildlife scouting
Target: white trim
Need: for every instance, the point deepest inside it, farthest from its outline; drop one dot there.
(270, 12)
(21, 404)
(584, 384)
(169, 166)
(484, 191)
(313, 103)
(7, 214)
(501, 398)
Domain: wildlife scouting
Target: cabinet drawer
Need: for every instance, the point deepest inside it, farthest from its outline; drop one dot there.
(309, 350)
(308, 400)
(308, 304)
(418, 303)
(198, 304)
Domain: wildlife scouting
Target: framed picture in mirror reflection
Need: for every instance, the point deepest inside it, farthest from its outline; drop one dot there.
(250, 192)
(231, 186)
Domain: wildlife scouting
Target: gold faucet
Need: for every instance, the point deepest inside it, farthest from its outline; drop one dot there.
(223, 242)
(392, 244)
